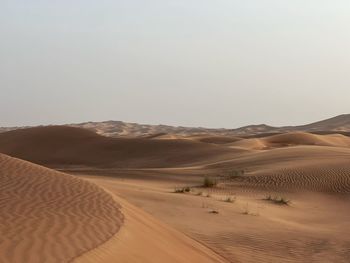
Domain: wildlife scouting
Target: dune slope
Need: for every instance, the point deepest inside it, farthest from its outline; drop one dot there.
(47, 216)
(66, 146)
(293, 139)
(145, 239)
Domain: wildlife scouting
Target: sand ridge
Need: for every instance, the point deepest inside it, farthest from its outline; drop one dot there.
(293, 139)
(48, 216)
(62, 146)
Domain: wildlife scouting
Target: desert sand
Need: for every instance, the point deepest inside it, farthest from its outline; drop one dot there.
(47, 216)
(277, 198)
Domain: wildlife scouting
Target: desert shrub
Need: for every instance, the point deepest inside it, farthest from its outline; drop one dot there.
(277, 200)
(187, 189)
(209, 182)
(182, 189)
(230, 199)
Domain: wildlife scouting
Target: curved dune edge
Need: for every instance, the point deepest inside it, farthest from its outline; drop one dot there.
(48, 216)
(293, 139)
(142, 238)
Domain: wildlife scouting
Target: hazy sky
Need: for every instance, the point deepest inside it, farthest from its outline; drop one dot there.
(223, 63)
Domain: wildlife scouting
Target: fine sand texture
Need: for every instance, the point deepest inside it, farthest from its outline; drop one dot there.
(145, 239)
(47, 216)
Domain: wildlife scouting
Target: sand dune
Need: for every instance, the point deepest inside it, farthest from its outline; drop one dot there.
(47, 216)
(313, 228)
(293, 139)
(215, 139)
(339, 124)
(300, 168)
(145, 239)
(61, 146)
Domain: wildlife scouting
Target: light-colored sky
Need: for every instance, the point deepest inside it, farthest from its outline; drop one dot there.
(224, 63)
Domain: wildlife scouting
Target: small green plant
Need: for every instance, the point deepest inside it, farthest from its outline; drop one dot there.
(209, 182)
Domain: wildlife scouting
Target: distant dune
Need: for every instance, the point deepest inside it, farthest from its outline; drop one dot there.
(68, 146)
(295, 168)
(293, 139)
(338, 124)
(47, 216)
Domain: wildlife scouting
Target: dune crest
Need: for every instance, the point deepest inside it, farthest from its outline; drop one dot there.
(293, 139)
(58, 146)
(48, 216)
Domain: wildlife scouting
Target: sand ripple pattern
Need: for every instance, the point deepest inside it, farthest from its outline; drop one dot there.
(329, 178)
(47, 216)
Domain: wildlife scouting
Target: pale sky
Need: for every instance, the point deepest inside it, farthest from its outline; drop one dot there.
(224, 63)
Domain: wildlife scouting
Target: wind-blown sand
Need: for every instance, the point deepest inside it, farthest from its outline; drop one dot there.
(47, 216)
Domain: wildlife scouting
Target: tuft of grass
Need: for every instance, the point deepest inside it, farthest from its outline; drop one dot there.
(230, 199)
(182, 190)
(209, 182)
(277, 200)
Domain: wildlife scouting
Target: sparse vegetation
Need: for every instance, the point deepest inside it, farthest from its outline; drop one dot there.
(247, 211)
(182, 189)
(209, 182)
(230, 199)
(277, 200)
(235, 174)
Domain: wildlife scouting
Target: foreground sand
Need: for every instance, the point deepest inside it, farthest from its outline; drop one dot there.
(145, 239)
(48, 216)
(313, 228)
